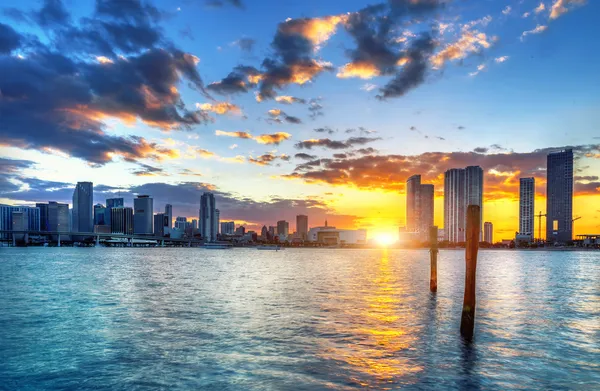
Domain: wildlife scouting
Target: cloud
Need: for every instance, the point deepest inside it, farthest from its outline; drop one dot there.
(147, 170)
(9, 39)
(267, 159)
(188, 172)
(561, 7)
(368, 87)
(240, 80)
(468, 42)
(220, 108)
(481, 150)
(507, 10)
(325, 129)
(580, 178)
(334, 144)
(304, 156)
(223, 3)
(390, 172)
(277, 114)
(315, 108)
(501, 59)
(288, 100)
(245, 44)
(480, 68)
(540, 8)
(233, 146)
(275, 138)
(205, 154)
(537, 30)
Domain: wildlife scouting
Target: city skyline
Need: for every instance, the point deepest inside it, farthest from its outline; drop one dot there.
(337, 142)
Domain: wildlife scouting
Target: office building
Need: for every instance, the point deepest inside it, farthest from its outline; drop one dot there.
(143, 207)
(488, 232)
(462, 187)
(302, 226)
(217, 221)
(427, 211)
(83, 201)
(241, 230)
(194, 224)
(208, 217)
(54, 217)
(526, 207)
(419, 207)
(169, 217)
(227, 228)
(99, 214)
(559, 196)
(264, 233)
(181, 223)
(43, 216)
(121, 220)
(283, 229)
(332, 236)
(112, 203)
(272, 231)
(160, 224)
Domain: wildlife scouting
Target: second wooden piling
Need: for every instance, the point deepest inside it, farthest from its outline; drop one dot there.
(467, 323)
(433, 253)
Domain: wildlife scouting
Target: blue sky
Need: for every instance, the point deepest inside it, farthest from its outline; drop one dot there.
(533, 91)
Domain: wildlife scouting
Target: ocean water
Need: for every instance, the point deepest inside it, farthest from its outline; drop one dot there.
(242, 319)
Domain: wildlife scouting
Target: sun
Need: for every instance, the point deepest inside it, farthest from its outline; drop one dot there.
(385, 239)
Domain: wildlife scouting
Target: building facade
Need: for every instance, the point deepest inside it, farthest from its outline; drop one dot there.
(413, 203)
(301, 227)
(83, 202)
(208, 217)
(19, 218)
(462, 187)
(283, 229)
(99, 214)
(160, 224)
(121, 220)
(427, 211)
(527, 207)
(143, 206)
(169, 217)
(217, 221)
(488, 232)
(559, 196)
(227, 228)
(180, 223)
(112, 203)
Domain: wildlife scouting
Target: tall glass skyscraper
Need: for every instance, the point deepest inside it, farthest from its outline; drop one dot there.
(419, 207)
(301, 226)
(83, 202)
(462, 187)
(143, 207)
(208, 217)
(527, 206)
(559, 196)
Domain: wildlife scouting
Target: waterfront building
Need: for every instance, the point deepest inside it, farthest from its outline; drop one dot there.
(143, 206)
(559, 196)
(160, 224)
(99, 214)
(264, 233)
(43, 216)
(27, 219)
(112, 203)
(426, 212)
(194, 224)
(301, 226)
(462, 187)
(283, 229)
(488, 232)
(217, 221)
(83, 201)
(181, 223)
(241, 230)
(54, 217)
(227, 228)
(526, 207)
(169, 216)
(121, 220)
(272, 231)
(208, 217)
(332, 236)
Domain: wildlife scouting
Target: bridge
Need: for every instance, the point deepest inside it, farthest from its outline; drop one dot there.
(97, 237)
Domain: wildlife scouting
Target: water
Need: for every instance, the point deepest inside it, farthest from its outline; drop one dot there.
(242, 319)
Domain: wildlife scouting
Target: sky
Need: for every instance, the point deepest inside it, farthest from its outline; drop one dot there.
(322, 108)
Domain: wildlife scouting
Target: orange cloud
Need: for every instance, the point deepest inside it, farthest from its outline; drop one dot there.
(469, 42)
(316, 30)
(220, 108)
(560, 7)
(275, 138)
(233, 134)
(360, 69)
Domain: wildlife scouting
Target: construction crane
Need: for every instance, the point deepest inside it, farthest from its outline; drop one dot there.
(539, 216)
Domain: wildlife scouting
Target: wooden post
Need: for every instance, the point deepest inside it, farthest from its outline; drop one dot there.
(433, 252)
(472, 236)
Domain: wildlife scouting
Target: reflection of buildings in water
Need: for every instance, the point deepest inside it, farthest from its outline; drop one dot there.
(377, 331)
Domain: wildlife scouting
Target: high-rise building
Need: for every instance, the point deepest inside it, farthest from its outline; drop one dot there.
(194, 224)
(526, 206)
(169, 215)
(264, 233)
(19, 218)
(283, 229)
(559, 196)
(112, 203)
(180, 223)
(227, 228)
(121, 220)
(99, 214)
(217, 221)
(272, 231)
(488, 232)
(208, 217)
(54, 217)
(160, 224)
(143, 207)
(241, 230)
(419, 207)
(462, 187)
(43, 216)
(301, 226)
(83, 201)
(427, 211)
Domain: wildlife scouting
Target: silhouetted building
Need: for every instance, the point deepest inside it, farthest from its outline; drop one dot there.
(208, 217)
(160, 224)
(143, 206)
(301, 226)
(283, 229)
(413, 203)
(272, 232)
(488, 232)
(99, 214)
(462, 187)
(559, 196)
(43, 216)
(121, 220)
(217, 221)
(526, 207)
(112, 203)
(227, 228)
(83, 201)
(180, 223)
(169, 216)
(264, 233)
(241, 230)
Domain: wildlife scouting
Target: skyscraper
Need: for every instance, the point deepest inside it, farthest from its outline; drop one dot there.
(112, 203)
(160, 224)
(559, 196)
(526, 206)
(54, 217)
(121, 220)
(427, 211)
(99, 214)
(217, 221)
(143, 207)
(264, 232)
(413, 203)
(283, 229)
(43, 216)
(83, 201)
(169, 217)
(301, 226)
(488, 232)
(208, 217)
(462, 187)
(227, 228)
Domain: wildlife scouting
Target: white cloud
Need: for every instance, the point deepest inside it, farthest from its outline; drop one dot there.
(539, 29)
(501, 59)
(479, 69)
(507, 10)
(368, 87)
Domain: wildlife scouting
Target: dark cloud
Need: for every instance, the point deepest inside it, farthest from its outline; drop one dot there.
(277, 115)
(586, 178)
(334, 144)
(240, 80)
(326, 129)
(481, 150)
(304, 156)
(222, 3)
(56, 99)
(267, 159)
(246, 44)
(9, 39)
(390, 172)
(340, 155)
(315, 109)
(367, 151)
(440, 138)
(461, 128)
(147, 170)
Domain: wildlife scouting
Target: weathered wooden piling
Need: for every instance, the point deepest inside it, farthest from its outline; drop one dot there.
(433, 253)
(467, 323)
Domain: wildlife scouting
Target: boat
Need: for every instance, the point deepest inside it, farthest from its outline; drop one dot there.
(217, 246)
(276, 248)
